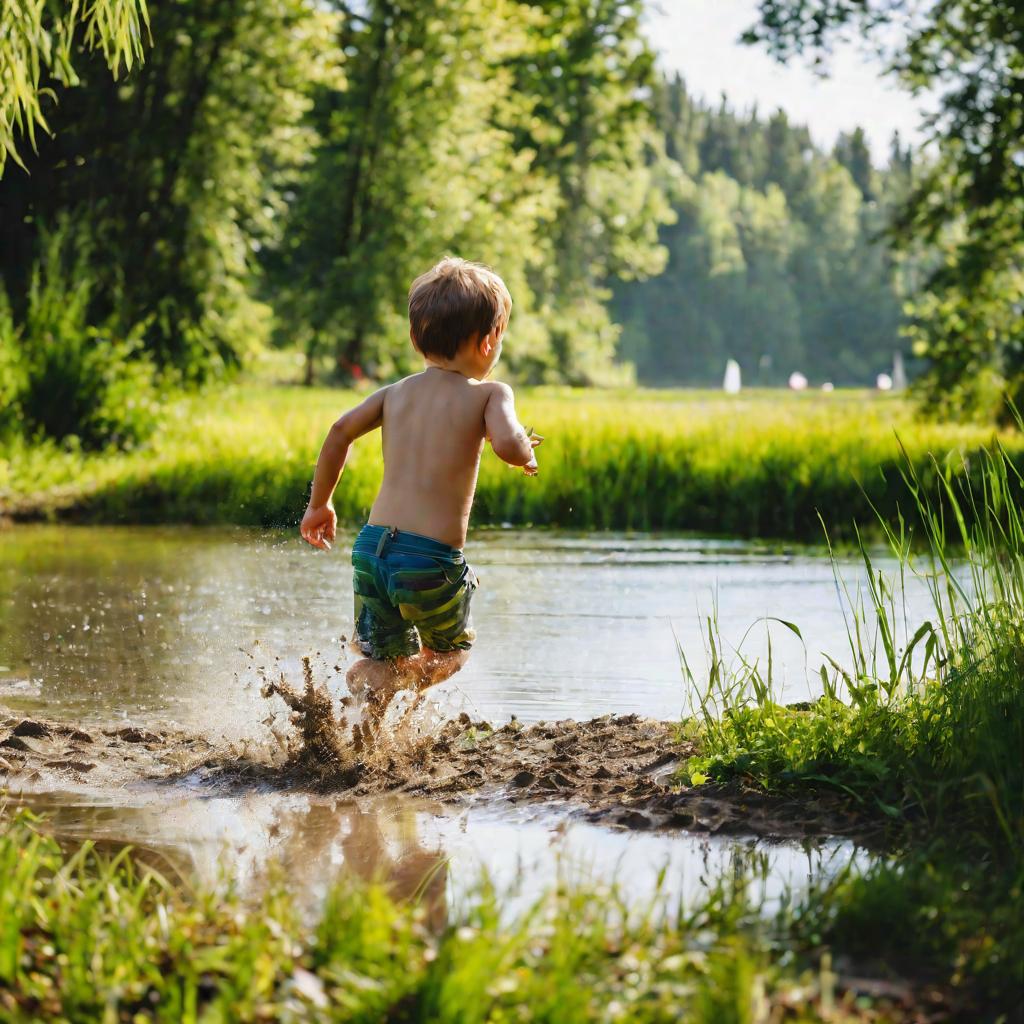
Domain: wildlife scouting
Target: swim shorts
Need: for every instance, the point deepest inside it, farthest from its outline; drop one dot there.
(410, 590)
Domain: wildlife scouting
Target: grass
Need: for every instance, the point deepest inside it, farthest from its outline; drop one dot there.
(763, 464)
(927, 731)
(91, 938)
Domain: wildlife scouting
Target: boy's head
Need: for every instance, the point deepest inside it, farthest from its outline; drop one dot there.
(456, 303)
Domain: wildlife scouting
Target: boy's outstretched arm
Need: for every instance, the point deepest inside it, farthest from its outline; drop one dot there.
(320, 524)
(507, 435)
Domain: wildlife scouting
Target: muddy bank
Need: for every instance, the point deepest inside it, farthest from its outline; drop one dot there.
(615, 770)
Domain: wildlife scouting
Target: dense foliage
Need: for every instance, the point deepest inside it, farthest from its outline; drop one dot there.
(969, 206)
(308, 160)
(775, 258)
(281, 170)
(37, 42)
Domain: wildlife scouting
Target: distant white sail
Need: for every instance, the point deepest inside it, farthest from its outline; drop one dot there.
(732, 383)
(899, 373)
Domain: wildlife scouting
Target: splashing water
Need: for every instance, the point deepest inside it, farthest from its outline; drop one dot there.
(360, 740)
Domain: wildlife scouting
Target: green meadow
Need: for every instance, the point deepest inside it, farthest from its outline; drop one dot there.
(765, 463)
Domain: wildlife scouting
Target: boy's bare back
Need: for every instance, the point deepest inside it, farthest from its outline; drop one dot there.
(433, 426)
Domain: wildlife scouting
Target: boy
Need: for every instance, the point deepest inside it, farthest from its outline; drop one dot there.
(411, 580)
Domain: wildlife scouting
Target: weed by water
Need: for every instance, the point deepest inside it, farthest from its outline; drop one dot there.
(921, 723)
(931, 726)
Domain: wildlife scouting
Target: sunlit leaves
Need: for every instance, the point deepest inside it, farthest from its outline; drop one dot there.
(37, 39)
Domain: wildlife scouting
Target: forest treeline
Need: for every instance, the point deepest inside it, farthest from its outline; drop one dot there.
(276, 172)
(777, 257)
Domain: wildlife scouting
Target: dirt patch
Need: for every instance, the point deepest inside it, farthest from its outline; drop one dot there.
(35, 754)
(616, 770)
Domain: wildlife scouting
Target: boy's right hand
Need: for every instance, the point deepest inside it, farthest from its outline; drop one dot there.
(319, 526)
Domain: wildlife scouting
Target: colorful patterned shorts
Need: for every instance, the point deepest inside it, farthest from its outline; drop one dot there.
(410, 590)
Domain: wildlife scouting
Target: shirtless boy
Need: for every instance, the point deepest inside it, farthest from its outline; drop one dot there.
(412, 583)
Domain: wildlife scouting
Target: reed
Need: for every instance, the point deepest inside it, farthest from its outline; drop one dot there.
(920, 724)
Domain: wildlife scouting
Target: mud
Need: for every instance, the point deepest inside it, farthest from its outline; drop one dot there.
(619, 771)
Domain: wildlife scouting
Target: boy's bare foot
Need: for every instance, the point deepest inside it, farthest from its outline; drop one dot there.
(378, 681)
(369, 676)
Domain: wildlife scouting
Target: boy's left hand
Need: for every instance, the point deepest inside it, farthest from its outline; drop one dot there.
(530, 469)
(319, 526)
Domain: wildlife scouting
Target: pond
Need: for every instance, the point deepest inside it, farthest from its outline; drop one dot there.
(158, 626)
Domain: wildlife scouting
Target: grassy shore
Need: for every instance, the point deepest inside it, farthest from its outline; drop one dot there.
(925, 732)
(762, 464)
(88, 938)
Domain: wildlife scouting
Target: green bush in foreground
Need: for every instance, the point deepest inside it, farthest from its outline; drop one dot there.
(87, 938)
(761, 464)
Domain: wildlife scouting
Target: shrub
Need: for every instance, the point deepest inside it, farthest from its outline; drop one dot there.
(11, 369)
(78, 379)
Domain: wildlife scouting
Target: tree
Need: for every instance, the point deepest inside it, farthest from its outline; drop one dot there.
(969, 203)
(176, 175)
(415, 158)
(588, 75)
(854, 153)
(511, 132)
(39, 40)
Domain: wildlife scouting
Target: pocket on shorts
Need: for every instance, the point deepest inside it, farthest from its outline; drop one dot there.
(449, 572)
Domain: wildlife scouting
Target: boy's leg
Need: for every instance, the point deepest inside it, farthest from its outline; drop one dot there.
(415, 672)
(380, 631)
(383, 679)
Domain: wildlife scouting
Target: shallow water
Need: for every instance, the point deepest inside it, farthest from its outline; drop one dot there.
(417, 845)
(155, 625)
(150, 623)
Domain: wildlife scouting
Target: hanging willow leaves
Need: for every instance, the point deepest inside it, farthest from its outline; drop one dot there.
(37, 43)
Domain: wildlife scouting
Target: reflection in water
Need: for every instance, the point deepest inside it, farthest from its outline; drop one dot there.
(422, 852)
(146, 623)
(309, 841)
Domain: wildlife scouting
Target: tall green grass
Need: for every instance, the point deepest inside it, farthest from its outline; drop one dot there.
(921, 724)
(924, 718)
(762, 464)
(88, 938)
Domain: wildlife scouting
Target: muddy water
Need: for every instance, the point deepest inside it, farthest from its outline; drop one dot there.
(159, 626)
(405, 842)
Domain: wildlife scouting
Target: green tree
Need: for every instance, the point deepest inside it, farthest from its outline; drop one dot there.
(854, 153)
(415, 158)
(176, 175)
(969, 201)
(39, 40)
(588, 74)
(512, 132)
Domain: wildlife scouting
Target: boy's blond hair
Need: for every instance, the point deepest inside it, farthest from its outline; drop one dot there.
(453, 302)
